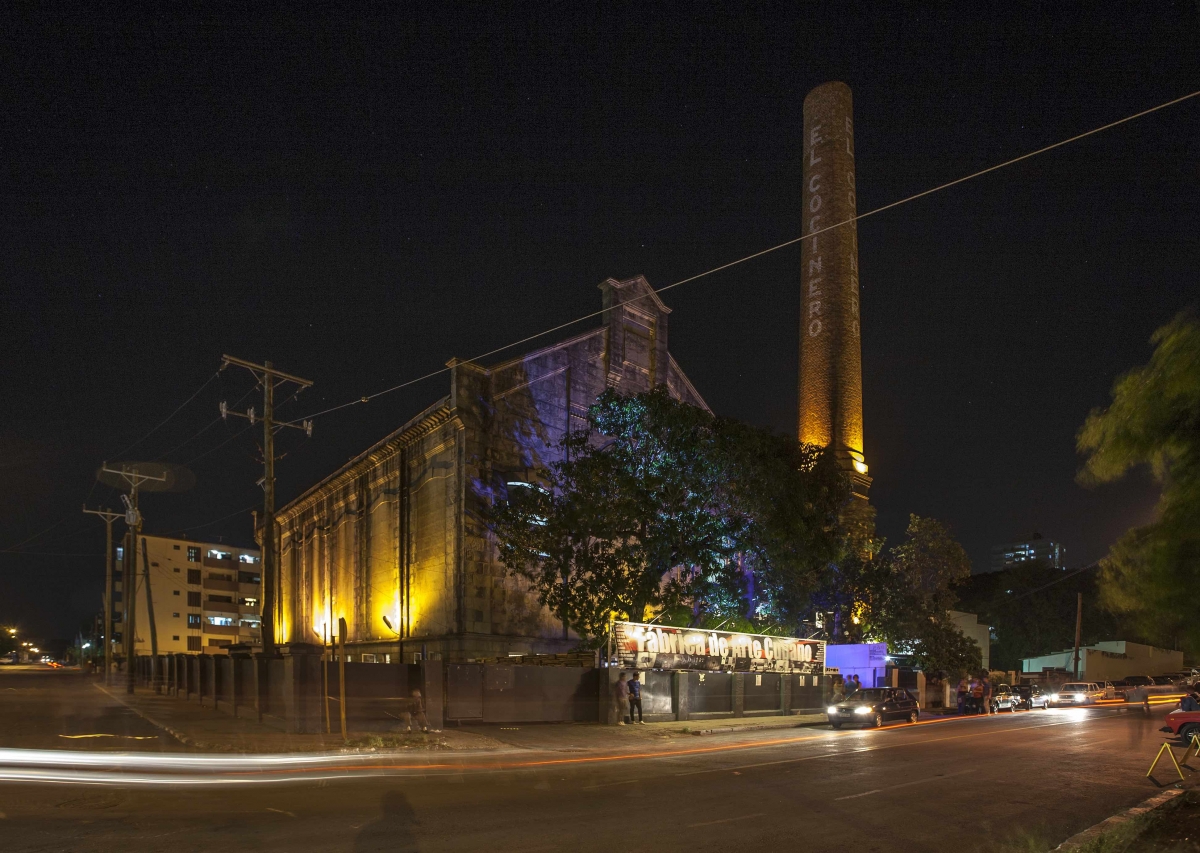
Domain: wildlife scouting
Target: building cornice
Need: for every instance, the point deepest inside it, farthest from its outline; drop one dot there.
(428, 420)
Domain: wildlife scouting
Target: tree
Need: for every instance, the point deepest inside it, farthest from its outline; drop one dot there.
(1031, 608)
(661, 505)
(1154, 421)
(903, 595)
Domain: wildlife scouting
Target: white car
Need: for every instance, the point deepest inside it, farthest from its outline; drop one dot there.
(1076, 693)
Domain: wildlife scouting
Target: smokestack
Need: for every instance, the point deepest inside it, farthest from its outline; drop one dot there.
(830, 351)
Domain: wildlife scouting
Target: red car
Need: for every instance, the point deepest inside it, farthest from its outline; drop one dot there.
(1183, 723)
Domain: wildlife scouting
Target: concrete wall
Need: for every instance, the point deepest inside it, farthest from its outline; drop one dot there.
(1109, 661)
(970, 625)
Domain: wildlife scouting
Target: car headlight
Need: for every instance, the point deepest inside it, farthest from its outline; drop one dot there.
(1053, 697)
(1079, 697)
(863, 709)
(832, 709)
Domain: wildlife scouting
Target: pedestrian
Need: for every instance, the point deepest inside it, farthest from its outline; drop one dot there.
(987, 695)
(635, 699)
(857, 682)
(976, 696)
(1190, 702)
(839, 691)
(416, 713)
(621, 694)
(964, 689)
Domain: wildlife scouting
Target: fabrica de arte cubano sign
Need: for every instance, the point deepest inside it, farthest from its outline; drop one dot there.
(663, 647)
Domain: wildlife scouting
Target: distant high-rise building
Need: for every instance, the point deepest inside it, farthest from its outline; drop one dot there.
(1034, 547)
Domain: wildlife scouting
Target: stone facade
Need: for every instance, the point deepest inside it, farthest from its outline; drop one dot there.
(399, 530)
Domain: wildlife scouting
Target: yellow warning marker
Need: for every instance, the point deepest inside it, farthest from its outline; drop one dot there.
(1196, 743)
(1167, 749)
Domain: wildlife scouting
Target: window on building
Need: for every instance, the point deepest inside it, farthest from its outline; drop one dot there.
(215, 554)
(193, 644)
(215, 642)
(220, 620)
(221, 599)
(175, 637)
(250, 602)
(193, 599)
(176, 570)
(154, 565)
(193, 576)
(116, 595)
(174, 615)
(174, 592)
(249, 577)
(248, 558)
(368, 658)
(120, 553)
(176, 547)
(193, 620)
(193, 554)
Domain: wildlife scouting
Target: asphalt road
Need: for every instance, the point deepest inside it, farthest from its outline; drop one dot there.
(962, 785)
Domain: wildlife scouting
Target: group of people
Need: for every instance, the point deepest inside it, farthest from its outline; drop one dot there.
(844, 687)
(975, 695)
(628, 693)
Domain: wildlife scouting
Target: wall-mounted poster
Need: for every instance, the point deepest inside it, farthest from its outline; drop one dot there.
(642, 646)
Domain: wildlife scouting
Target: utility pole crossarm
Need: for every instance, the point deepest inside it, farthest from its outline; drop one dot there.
(264, 369)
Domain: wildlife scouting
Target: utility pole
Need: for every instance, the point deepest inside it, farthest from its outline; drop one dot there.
(1078, 626)
(109, 517)
(268, 376)
(133, 521)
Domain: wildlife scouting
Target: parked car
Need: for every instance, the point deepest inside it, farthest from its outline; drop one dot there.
(1076, 693)
(1005, 699)
(1164, 680)
(1032, 696)
(1110, 689)
(873, 706)
(1142, 686)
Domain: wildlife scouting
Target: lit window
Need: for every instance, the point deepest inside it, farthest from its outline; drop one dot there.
(214, 554)
(247, 558)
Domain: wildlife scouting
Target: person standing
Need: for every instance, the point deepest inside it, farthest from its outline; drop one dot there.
(621, 694)
(857, 683)
(987, 695)
(964, 688)
(976, 696)
(635, 699)
(416, 714)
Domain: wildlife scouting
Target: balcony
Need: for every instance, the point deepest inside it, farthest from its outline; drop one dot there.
(225, 630)
(254, 590)
(224, 586)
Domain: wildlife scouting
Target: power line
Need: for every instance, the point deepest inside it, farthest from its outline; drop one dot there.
(168, 417)
(768, 251)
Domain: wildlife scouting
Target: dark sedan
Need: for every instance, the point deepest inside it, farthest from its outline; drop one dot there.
(873, 706)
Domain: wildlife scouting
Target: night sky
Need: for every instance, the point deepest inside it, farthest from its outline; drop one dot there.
(360, 198)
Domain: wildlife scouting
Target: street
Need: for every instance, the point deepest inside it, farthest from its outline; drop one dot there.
(964, 784)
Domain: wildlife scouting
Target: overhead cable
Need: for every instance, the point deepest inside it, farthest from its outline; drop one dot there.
(759, 254)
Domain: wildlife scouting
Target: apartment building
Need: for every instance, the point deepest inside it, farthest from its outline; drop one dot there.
(192, 596)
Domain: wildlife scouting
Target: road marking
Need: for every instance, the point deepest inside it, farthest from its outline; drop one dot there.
(726, 820)
(874, 748)
(609, 784)
(763, 764)
(903, 785)
(280, 811)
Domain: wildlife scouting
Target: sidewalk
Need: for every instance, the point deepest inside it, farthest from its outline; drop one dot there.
(202, 728)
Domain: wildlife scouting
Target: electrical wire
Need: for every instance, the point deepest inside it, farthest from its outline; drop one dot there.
(168, 417)
(767, 251)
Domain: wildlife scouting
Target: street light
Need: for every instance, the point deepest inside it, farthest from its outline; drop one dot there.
(399, 639)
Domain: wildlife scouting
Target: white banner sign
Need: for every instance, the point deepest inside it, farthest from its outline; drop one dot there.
(664, 647)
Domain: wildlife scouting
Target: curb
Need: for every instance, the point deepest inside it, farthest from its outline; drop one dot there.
(1158, 801)
(721, 730)
(179, 736)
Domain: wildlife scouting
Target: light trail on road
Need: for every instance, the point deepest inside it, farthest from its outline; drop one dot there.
(181, 770)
